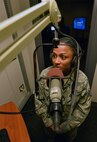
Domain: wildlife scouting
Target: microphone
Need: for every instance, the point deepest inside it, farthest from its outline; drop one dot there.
(55, 76)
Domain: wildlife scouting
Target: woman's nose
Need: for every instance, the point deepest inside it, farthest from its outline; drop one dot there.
(57, 60)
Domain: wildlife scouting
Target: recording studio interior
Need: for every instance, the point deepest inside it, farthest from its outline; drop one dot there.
(27, 30)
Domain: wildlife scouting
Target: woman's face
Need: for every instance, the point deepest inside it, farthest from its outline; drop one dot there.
(62, 57)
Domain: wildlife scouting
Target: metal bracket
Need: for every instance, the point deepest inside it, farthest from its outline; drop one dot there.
(55, 14)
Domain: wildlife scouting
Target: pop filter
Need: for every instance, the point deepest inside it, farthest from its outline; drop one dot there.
(55, 72)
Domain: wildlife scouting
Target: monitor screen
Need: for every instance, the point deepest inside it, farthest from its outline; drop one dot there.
(79, 23)
(52, 28)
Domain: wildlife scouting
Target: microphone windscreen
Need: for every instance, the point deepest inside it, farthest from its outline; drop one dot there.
(55, 72)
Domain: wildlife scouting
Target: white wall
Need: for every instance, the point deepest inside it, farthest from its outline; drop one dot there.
(11, 78)
(94, 86)
(92, 46)
(91, 62)
(11, 81)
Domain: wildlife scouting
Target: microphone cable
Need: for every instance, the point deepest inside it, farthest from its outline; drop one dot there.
(35, 64)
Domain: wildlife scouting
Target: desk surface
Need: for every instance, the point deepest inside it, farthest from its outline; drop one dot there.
(14, 124)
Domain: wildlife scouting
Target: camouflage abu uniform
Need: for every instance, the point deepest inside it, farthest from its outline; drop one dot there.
(82, 101)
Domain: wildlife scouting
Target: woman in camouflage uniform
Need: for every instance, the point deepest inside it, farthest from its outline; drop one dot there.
(65, 57)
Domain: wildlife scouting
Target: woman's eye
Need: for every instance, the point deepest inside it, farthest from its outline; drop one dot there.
(53, 55)
(63, 57)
